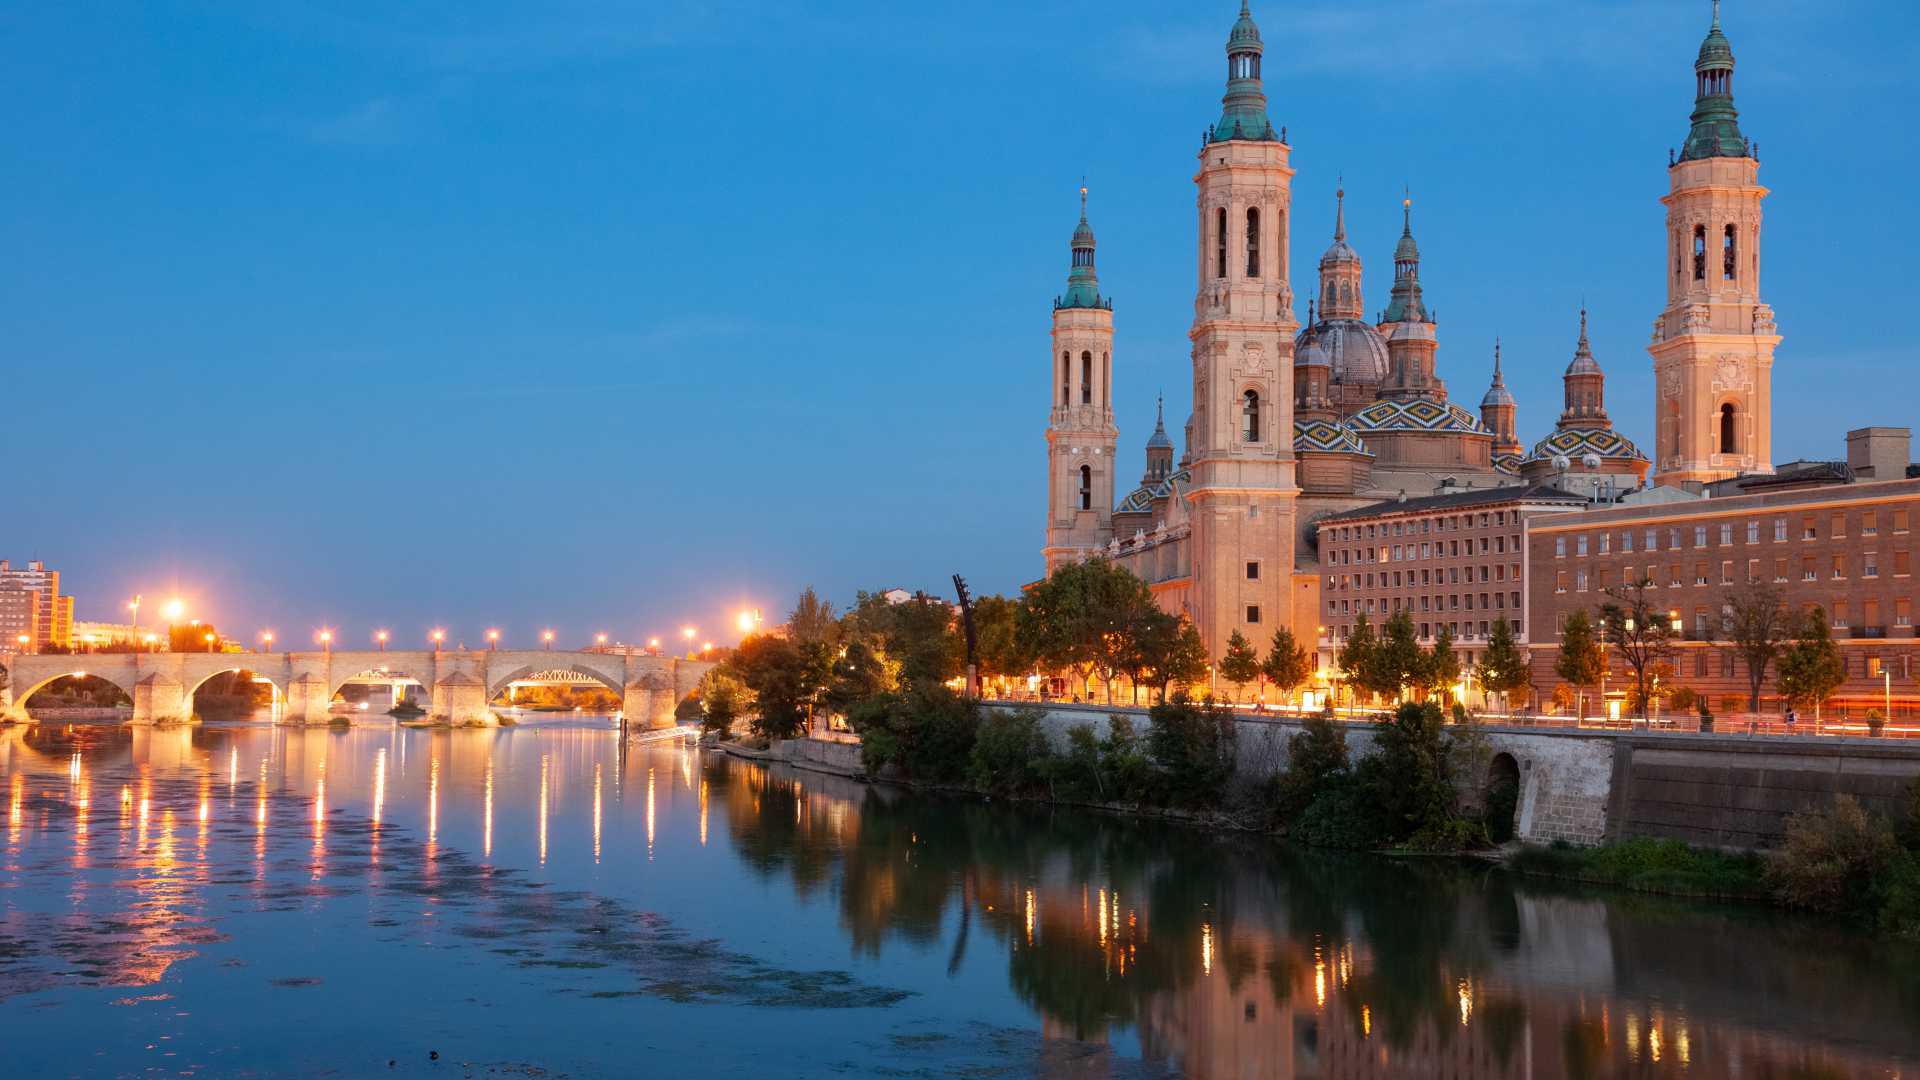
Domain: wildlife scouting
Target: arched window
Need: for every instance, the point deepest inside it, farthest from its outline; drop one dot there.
(1699, 253)
(1253, 242)
(1220, 243)
(1086, 487)
(1329, 299)
(1729, 443)
(1066, 378)
(1250, 417)
(1346, 290)
(1106, 379)
(1728, 261)
(1086, 378)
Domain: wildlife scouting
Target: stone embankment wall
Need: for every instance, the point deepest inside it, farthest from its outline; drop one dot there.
(1591, 786)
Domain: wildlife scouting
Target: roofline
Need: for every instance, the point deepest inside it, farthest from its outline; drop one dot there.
(1834, 495)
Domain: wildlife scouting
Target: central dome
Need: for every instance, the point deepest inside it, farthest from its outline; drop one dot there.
(1354, 350)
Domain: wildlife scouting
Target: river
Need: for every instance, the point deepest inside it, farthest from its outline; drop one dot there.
(547, 900)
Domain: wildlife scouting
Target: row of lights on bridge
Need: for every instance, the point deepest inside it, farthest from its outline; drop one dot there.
(748, 622)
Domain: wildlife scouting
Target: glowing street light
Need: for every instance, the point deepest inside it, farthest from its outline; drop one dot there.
(653, 644)
(149, 641)
(381, 637)
(749, 622)
(23, 641)
(493, 639)
(133, 605)
(546, 639)
(174, 610)
(266, 640)
(706, 647)
(599, 639)
(326, 641)
(209, 640)
(438, 636)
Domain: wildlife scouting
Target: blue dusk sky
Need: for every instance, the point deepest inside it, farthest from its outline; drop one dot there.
(617, 316)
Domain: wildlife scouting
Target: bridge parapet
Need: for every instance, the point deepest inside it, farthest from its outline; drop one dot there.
(459, 683)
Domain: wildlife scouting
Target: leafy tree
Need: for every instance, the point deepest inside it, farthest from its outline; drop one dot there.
(927, 733)
(1186, 664)
(1356, 656)
(812, 621)
(1811, 668)
(780, 674)
(1288, 664)
(1193, 745)
(1152, 640)
(1081, 618)
(859, 671)
(993, 624)
(1641, 629)
(1316, 758)
(1755, 618)
(191, 637)
(918, 636)
(723, 698)
(1398, 660)
(1240, 665)
(1010, 754)
(1411, 775)
(1581, 662)
(1503, 667)
(1442, 667)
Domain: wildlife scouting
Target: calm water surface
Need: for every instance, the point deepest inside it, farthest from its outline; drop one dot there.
(543, 900)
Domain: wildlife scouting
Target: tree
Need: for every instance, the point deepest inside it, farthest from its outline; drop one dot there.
(1240, 665)
(860, 671)
(1811, 668)
(1398, 660)
(918, 635)
(1000, 652)
(779, 674)
(1081, 616)
(1581, 662)
(1442, 667)
(1356, 656)
(1288, 663)
(1187, 663)
(1503, 667)
(723, 699)
(1153, 640)
(812, 621)
(1755, 618)
(192, 637)
(1642, 630)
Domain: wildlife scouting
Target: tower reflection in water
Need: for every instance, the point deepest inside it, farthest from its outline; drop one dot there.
(1219, 957)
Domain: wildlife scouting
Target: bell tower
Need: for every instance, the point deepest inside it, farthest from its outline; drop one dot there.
(1243, 489)
(1713, 346)
(1080, 431)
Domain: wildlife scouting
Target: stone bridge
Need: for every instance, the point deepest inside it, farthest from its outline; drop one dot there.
(457, 684)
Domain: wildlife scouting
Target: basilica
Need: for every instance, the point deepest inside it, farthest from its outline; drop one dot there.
(1295, 423)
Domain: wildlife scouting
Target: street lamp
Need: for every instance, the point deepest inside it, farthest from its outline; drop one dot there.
(599, 639)
(493, 639)
(133, 605)
(706, 647)
(438, 636)
(266, 639)
(174, 610)
(546, 639)
(209, 640)
(326, 641)
(381, 637)
(23, 641)
(688, 633)
(149, 641)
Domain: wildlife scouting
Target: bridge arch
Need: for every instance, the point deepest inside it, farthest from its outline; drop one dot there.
(419, 689)
(614, 682)
(21, 696)
(1502, 800)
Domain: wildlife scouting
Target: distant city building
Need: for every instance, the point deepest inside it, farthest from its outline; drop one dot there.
(52, 621)
(89, 635)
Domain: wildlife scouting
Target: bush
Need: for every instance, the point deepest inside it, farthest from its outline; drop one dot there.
(1910, 830)
(1832, 858)
(1193, 746)
(927, 733)
(1315, 756)
(1010, 754)
(1342, 814)
(1899, 897)
(1110, 770)
(1411, 770)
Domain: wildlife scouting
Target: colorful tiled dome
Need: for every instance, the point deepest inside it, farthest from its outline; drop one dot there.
(1326, 437)
(1419, 414)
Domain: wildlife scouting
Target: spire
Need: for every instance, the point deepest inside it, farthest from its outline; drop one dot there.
(1716, 123)
(1244, 108)
(1340, 210)
(1159, 437)
(1083, 283)
(1407, 304)
(1497, 394)
(1586, 384)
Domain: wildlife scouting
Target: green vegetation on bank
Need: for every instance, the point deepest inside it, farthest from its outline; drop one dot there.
(1838, 860)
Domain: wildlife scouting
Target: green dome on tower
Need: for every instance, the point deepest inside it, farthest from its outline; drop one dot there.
(1716, 123)
(1244, 113)
(1083, 284)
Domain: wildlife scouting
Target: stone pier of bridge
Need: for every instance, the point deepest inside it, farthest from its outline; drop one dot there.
(458, 684)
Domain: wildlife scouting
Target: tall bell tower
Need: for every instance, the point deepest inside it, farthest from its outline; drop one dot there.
(1713, 346)
(1243, 490)
(1080, 431)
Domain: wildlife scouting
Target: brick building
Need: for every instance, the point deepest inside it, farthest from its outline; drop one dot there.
(1819, 531)
(1454, 560)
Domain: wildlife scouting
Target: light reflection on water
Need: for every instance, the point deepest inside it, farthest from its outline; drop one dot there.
(301, 899)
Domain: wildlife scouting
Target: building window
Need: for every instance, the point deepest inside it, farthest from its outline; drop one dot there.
(1902, 611)
(1870, 564)
(1653, 540)
(1753, 532)
(1869, 523)
(1253, 614)
(1809, 530)
(1699, 253)
(1220, 244)
(1699, 536)
(1779, 569)
(1066, 378)
(1253, 242)
(1606, 543)
(1807, 572)
(1579, 581)
(1626, 543)
(1901, 568)
(1086, 487)
(1726, 573)
(1250, 417)
(1726, 535)
(1840, 614)
(1839, 567)
(1728, 260)
(1779, 530)
(1699, 573)
(1899, 521)
(1253, 571)
(1580, 545)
